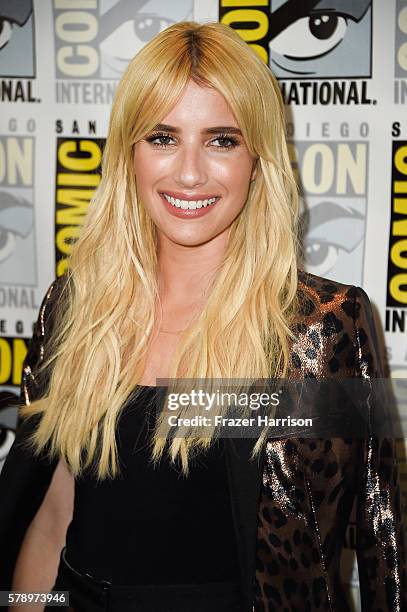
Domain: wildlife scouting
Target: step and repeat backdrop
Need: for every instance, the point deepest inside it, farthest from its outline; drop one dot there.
(342, 67)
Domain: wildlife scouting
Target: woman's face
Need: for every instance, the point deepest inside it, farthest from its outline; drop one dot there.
(195, 154)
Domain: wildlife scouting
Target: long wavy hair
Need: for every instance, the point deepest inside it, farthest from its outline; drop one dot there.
(96, 352)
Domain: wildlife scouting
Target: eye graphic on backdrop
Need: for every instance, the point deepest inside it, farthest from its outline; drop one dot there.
(311, 37)
(320, 256)
(6, 32)
(333, 242)
(122, 44)
(16, 221)
(7, 243)
(16, 38)
(326, 39)
(128, 26)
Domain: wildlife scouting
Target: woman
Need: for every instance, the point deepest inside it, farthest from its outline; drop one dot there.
(186, 268)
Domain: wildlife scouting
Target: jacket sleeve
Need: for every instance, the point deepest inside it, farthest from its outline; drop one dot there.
(24, 478)
(380, 537)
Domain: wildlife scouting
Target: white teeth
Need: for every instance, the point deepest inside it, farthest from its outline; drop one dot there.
(189, 204)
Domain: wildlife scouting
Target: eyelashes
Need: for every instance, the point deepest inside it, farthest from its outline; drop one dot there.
(233, 142)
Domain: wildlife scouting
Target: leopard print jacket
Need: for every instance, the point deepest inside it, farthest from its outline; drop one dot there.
(292, 509)
(309, 485)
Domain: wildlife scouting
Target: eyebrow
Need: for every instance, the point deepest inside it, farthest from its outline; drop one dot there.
(211, 130)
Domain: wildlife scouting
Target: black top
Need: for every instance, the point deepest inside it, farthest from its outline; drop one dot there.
(154, 525)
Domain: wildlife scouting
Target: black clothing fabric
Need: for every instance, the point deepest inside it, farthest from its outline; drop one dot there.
(153, 525)
(87, 594)
(280, 502)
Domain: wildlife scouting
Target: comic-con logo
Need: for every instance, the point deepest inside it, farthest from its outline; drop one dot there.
(96, 39)
(309, 39)
(18, 260)
(397, 257)
(333, 180)
(77, 176)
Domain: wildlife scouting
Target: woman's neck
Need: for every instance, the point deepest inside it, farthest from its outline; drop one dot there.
(185, 273)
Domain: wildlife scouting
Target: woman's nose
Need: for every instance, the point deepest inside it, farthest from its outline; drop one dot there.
(191, 167)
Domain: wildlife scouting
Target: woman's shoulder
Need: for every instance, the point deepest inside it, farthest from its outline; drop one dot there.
(33, 383)
(335, 323)
(321, 297)
(321, 289)
(53, 298)
(56, 288)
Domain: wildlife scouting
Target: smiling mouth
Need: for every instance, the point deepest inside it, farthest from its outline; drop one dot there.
(190, 204)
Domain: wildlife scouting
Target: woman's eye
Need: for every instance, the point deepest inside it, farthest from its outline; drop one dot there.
(161, 140)
(225, 139)
(158, 137)
(310, 37)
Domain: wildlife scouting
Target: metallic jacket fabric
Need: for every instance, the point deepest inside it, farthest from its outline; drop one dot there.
(310, 485)
(291, 508)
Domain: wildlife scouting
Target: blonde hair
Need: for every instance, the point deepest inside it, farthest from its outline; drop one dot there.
(101, 336)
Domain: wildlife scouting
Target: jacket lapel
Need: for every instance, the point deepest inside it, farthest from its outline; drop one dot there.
(244, 476)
